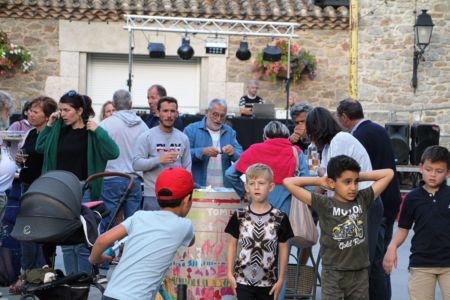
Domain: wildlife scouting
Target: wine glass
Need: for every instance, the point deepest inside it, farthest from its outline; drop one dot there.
(24, 155)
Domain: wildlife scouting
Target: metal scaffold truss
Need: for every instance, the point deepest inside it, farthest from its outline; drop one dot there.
(210, 26)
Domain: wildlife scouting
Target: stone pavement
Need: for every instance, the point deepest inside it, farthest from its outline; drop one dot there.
(399, 277)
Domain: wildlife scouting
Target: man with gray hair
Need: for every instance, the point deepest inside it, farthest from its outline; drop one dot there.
(247, 101)
(7, 164)
(298, 135)
(213, 145)
(124, 127)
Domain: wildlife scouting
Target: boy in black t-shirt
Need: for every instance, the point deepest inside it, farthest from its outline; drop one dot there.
(262, 233)
(343, 224)
(427, 208)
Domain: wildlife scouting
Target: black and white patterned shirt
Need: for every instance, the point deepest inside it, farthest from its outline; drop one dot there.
(258, 236)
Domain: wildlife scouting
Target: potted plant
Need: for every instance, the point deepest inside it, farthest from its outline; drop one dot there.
(302, 61)
(12, 57)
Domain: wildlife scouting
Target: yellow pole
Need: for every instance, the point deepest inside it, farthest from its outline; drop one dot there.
(353, 49)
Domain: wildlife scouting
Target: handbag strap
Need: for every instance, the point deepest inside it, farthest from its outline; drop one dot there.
(296, 159)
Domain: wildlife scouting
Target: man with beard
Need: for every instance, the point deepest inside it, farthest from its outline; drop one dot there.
(159, 148)
(213, 146)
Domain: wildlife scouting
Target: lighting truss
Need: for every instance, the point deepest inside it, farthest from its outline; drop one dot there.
(210, 26)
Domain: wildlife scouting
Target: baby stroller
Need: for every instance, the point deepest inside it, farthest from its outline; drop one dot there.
(51, 213)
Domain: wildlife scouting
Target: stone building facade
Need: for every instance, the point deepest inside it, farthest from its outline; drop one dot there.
(61, 36)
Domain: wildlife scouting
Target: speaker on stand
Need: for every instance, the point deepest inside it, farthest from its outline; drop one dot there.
(399, 135)
(422, 136)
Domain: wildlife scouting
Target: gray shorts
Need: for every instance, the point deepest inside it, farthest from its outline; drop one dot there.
(348, 285)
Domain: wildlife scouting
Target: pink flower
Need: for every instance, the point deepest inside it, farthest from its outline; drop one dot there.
(267, 73)
(2, 61)
(257, 74)
(2, 72)
(265, 65)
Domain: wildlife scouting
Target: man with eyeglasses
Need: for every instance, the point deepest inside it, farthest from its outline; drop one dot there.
(213, 146)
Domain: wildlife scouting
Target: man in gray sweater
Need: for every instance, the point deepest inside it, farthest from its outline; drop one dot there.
(159, 148)
(124, 127)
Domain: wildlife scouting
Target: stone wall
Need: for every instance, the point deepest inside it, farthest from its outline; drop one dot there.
(385, 59)
(331, 83)
(40, 37)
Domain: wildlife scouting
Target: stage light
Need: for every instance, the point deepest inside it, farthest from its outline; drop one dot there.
(156, 50)
(185, 51)
(216, 47)
(243, 53)
(272, 53)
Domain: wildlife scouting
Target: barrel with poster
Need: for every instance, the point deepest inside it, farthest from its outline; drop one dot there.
(203, 266)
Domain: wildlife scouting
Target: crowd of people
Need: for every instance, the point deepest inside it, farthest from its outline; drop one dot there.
(356, 198)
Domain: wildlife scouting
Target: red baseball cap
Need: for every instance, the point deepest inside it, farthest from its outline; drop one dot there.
(175, 183)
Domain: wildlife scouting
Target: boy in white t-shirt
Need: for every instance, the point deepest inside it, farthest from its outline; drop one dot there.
(153, 239)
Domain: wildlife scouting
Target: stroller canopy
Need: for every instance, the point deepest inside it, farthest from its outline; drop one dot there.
(50, 209)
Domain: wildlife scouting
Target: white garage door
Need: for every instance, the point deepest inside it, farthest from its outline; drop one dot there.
(107, 73)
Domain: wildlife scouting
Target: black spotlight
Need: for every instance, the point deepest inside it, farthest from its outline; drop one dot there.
(272, 53)
(242, 52)
(185, 51)
(156, 50)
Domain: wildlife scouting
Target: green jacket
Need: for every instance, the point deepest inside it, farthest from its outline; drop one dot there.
(101, 148)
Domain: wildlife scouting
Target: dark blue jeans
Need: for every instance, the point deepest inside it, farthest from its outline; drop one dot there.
(113, 189)
(377, 249)
(76, 256)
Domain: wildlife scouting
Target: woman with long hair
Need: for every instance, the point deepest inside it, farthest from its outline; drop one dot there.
(107, 110)
(71, 141)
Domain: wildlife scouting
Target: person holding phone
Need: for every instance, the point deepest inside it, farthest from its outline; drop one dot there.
(71, 141)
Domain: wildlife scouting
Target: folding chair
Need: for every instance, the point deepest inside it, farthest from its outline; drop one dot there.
(301, 279)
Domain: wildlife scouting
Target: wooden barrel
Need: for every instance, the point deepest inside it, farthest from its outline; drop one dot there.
(203, 267)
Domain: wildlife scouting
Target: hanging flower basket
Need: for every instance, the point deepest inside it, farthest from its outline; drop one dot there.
(12, 57)
(302, 61)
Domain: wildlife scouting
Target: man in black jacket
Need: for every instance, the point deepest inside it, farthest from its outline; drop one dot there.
(378, 145)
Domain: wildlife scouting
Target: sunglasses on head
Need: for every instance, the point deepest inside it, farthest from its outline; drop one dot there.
(71, 93)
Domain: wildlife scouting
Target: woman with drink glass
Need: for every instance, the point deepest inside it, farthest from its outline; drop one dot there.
(30, 162)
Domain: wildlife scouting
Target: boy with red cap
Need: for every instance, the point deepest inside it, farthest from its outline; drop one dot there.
(153, 239)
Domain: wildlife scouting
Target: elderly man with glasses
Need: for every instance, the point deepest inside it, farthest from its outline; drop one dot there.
(213, 146)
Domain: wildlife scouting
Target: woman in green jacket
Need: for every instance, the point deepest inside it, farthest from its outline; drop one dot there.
(71, 141)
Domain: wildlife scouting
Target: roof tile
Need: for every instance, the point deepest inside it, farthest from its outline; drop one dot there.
(299, 11)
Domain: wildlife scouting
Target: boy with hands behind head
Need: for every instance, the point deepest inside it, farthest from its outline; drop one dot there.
(153, 239)
(343, 224)
(262, 233)
(427, 208)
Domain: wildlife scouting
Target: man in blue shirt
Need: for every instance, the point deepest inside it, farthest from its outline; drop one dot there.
(213, 146)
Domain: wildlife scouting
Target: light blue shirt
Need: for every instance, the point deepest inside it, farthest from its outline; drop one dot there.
(153, 239)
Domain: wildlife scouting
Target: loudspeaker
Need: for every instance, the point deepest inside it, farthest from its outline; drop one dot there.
(422, 136)
(399, 134)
